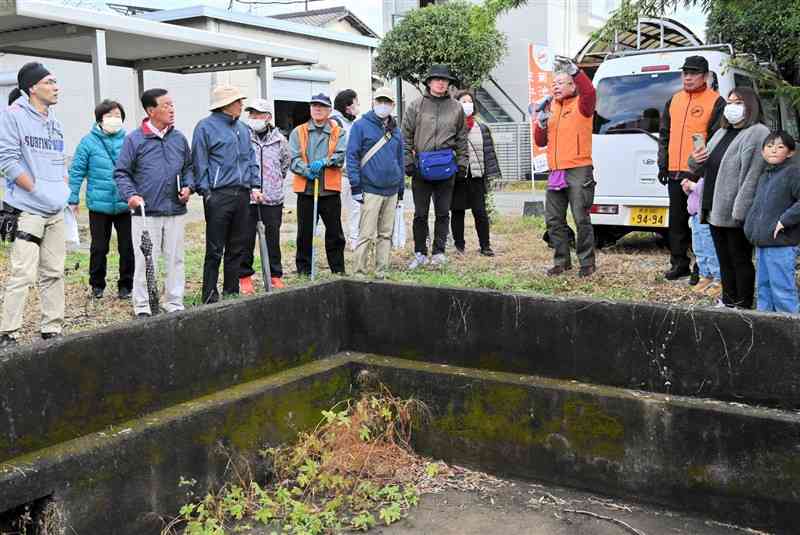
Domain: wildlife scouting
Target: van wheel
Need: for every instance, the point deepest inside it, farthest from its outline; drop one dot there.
(662, 238)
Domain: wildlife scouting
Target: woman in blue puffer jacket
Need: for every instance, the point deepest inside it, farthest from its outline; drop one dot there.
(94, 160)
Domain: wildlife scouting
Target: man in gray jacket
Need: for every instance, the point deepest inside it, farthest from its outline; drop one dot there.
(32, 160)
(434, 123)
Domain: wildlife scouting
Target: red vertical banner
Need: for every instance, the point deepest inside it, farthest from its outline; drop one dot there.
(540, 80)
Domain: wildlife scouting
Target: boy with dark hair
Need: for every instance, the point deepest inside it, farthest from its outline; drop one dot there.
(773, 226)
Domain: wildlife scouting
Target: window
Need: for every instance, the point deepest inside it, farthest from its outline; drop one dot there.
(633, 101)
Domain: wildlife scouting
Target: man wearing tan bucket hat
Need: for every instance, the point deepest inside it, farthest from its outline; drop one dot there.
(227, 178)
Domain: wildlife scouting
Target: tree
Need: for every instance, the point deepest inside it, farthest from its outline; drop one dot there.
(770, 29)
(458, 34)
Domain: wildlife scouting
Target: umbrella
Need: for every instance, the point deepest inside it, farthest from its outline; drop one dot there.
(150, 269)
(263, 251)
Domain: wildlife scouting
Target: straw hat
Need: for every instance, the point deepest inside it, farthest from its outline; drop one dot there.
(222, 95)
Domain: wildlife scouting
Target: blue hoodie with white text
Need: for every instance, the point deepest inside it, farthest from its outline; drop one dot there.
(33, 143)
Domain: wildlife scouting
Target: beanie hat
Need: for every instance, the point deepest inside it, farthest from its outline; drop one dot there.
(30, 74)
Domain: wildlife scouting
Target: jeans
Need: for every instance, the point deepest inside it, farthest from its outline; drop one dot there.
(442, 194)
(735, 255)
(703, 247)
(227, 212)
(680, 237)
(271, 216)
(777, 289)
(579, 196)
(100, 228)
(330, 211)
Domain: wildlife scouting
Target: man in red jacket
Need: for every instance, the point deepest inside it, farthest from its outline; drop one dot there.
(564, 124)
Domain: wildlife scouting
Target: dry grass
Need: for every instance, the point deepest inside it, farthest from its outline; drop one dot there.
(631, 270)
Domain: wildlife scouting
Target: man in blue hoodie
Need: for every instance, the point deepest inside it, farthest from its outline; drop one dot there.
(228, 177)
(376, 173)
(154, 168)
(32, 161)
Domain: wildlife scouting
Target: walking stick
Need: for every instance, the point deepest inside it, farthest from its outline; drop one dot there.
(314, 231)
(266, 272)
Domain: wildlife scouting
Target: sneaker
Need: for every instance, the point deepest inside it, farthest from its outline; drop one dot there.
(460, 249)
(701, 286)
(439, 259)
(557, 270)
(50, 336)
(587, 271)
(246, 286)
(677, 272)
(418, 261)
(277, 283)
(142, 315)
(694, 278)
(487, 251)
(7, 342)
(97, 293)
(124, 293)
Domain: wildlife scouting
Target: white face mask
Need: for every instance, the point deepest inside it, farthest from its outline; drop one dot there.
(734, 113)
(469, 108)
(383, 110)
(258, 125)
(111, 125)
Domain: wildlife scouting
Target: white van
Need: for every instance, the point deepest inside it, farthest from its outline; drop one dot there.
(632, 90)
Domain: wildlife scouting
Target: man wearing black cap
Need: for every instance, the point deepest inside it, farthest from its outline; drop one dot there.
(696, 109)
(32, 161)
(317, 149)
(435, 134)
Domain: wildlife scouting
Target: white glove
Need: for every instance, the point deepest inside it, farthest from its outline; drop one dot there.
(565, 65)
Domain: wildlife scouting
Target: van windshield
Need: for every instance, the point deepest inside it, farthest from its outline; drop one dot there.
(633, 102)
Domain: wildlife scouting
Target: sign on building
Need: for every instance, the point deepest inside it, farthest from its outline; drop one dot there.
(540, 79)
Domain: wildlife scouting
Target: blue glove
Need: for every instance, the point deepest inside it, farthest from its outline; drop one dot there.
(316, 166)
(311, 175)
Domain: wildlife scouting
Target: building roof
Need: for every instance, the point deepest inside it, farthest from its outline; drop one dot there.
(323, 17)
(49, 30)
(175, 16)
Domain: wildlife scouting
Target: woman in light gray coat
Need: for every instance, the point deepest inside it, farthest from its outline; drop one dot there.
(731, 165)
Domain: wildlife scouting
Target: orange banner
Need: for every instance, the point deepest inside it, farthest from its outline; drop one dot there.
(540, 80)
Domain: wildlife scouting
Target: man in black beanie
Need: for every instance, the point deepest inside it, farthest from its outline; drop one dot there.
(32, 162)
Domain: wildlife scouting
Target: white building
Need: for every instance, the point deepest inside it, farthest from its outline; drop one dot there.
(343, 44)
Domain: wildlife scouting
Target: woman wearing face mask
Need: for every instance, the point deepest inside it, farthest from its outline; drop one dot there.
(731, 165)
(345, 111)
(471, 192)
(94, 160)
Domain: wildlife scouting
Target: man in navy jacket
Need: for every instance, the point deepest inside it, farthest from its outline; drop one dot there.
(227, 178)
(376, 173)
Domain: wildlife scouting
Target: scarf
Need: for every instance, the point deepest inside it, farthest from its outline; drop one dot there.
(470, 122)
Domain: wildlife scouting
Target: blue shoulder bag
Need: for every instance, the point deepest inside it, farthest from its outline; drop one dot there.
(435, 165)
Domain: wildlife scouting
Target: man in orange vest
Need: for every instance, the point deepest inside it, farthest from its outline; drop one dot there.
(317, 149)
(696, 109)
(564, 124)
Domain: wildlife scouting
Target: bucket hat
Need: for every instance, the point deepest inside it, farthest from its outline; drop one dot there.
(222, 95)
(439, 70)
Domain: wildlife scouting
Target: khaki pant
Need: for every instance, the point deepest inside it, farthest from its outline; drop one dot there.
(29, 261)
(375, 226)
(166, 233)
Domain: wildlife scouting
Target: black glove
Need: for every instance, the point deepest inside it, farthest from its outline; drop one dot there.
(663, 176)
(411, 170)
(461, 174)
(400, 194)
(9, 217)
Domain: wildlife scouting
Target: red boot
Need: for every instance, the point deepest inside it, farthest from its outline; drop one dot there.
(246, 286)
(277, 282)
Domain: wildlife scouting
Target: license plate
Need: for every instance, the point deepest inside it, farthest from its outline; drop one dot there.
(648, 216)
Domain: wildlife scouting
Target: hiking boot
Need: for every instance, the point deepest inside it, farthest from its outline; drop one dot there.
(555, 271)
(587, 271)
(694, 278)
(418, 261)
(439, 259)
(677, 272)
(277, 283)
(97, 293)
(246, 286)
(487, 251)
(124, 293)
(7, 342)
(50, 336)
